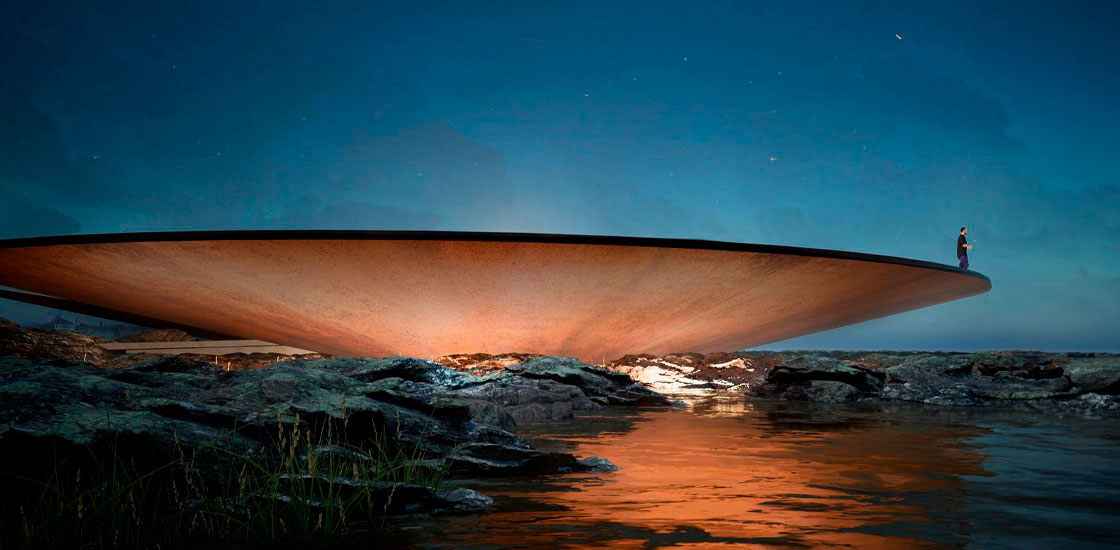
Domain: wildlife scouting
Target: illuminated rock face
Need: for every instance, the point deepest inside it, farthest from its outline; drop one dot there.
(427, 294)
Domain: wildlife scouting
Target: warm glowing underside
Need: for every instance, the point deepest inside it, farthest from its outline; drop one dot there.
(429, 297)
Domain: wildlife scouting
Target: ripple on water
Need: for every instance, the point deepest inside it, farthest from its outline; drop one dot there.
(728, 473)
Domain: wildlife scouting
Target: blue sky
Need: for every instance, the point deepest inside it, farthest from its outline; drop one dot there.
(800, 123)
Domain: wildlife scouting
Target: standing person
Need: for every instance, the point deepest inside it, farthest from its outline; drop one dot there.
(962, 248)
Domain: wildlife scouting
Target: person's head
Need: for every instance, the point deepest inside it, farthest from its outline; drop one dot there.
(964, 231)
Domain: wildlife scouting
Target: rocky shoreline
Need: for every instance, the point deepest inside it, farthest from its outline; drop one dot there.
(1069, 381)
(165, 407)
(392, 428)
(456, 416)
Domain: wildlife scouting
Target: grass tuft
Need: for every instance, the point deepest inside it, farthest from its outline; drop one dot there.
(308, 487)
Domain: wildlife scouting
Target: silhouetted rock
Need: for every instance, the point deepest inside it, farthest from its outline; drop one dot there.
(487, 460)
(804, 369)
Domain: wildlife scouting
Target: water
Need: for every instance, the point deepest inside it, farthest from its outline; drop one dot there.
(725, 473)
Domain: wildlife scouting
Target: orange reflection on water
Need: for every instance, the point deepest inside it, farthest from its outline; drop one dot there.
(785, 475)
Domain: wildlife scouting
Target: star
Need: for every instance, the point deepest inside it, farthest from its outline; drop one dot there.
(773, 158)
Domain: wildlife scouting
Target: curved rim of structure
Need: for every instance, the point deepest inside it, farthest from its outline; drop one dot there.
(475, 236)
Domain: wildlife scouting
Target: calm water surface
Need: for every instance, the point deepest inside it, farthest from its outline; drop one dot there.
(724, 473)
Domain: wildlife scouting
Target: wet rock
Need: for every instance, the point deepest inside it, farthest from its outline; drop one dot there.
(597, 464)
(464, 500)
(480, 460)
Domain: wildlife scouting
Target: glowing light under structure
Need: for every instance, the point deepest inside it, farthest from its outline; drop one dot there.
(426, 294)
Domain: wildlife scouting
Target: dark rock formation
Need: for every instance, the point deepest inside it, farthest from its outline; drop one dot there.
(799, 370)
(415, 402)
(172, 406)
(528, 400)
(676, 373)
(1093, 374)
(1034, 379)
(601, 385)
(486, 460)
(1052, 381)
(545, 388)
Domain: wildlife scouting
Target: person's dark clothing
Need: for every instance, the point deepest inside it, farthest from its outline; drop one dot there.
(964, 261)
(961, 250)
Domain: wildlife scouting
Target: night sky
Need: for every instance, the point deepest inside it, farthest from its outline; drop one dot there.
(882, 128)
